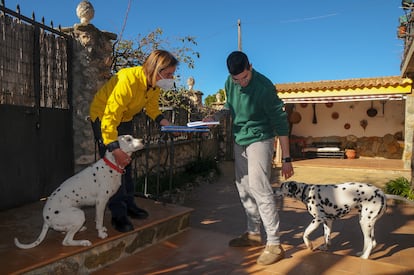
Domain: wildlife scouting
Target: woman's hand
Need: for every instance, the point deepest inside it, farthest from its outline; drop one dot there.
(122, 159)
(165, 122)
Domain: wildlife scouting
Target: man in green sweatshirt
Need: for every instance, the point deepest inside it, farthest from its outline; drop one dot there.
(258, 116)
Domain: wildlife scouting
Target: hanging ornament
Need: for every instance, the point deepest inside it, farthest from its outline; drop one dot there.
(363, 123)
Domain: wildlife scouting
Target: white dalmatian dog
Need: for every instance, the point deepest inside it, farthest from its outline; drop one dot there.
(92, 186)
(329, 202)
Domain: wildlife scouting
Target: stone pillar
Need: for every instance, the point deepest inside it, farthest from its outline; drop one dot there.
(408, 156)
(91, 63)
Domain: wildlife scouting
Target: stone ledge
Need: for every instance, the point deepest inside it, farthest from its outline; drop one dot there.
(50, 257)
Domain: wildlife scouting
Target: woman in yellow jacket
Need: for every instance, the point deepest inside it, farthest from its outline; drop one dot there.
(111, 112)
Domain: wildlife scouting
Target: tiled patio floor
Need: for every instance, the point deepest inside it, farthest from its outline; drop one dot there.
(218, 217)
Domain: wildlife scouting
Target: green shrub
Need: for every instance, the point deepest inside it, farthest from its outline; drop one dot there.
(400, 186)
(202, 167)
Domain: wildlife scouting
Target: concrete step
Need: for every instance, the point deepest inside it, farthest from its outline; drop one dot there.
(51, 257)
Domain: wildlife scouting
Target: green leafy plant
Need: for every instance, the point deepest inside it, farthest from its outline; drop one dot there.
(128, 53)
(350, 145)
(400, 186)
(202, 167)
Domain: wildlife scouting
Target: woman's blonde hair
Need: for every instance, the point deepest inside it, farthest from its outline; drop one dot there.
(157, 61)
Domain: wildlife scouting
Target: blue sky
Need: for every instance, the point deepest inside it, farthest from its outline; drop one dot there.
(288, 41)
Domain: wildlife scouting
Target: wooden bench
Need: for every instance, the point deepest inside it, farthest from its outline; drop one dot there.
(323, 150)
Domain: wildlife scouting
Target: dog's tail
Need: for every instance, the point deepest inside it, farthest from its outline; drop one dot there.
(35, 243)
(399, 198)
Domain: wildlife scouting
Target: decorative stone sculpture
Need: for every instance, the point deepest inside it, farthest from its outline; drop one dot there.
(190, 83)
(219, 98)
(85, 12)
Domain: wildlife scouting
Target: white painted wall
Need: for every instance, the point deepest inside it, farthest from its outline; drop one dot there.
(390, 122)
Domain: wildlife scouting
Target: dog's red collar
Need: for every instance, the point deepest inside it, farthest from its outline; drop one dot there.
(114, 166)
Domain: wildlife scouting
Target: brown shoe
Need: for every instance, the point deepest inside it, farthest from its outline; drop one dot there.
(246, 240)
(271, 254)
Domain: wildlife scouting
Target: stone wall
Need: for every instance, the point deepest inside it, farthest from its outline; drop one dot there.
(389, 146)
(91, 63)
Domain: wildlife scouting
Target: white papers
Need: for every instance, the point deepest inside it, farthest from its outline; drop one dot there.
(202, 123)
(173, 128)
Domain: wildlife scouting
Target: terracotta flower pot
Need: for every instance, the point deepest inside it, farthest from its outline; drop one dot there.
(350, 153)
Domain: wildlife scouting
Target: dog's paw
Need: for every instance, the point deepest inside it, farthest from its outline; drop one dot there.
(85, 243)
(102, 234)
(362, 255)
(308, 243)
(76, 243)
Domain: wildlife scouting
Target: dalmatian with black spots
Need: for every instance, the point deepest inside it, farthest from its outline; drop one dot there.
(329, 202)
(92, 186)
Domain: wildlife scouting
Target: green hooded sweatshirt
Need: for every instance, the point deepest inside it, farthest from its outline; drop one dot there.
(256, 110)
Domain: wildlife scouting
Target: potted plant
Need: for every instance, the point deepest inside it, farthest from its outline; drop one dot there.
(350, 150)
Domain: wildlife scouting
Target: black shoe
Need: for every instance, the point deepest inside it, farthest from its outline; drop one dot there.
(122, 224)
(137, 213)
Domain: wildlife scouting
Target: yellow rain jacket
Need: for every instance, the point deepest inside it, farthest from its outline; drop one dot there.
(122, 97)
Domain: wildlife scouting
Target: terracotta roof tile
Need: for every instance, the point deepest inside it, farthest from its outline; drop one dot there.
(332, 85)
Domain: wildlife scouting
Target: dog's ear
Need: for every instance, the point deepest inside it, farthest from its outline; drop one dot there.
(292, 187)
(278, 191)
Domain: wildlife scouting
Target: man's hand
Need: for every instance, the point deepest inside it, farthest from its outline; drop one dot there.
(287, 170)
(208, 119)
